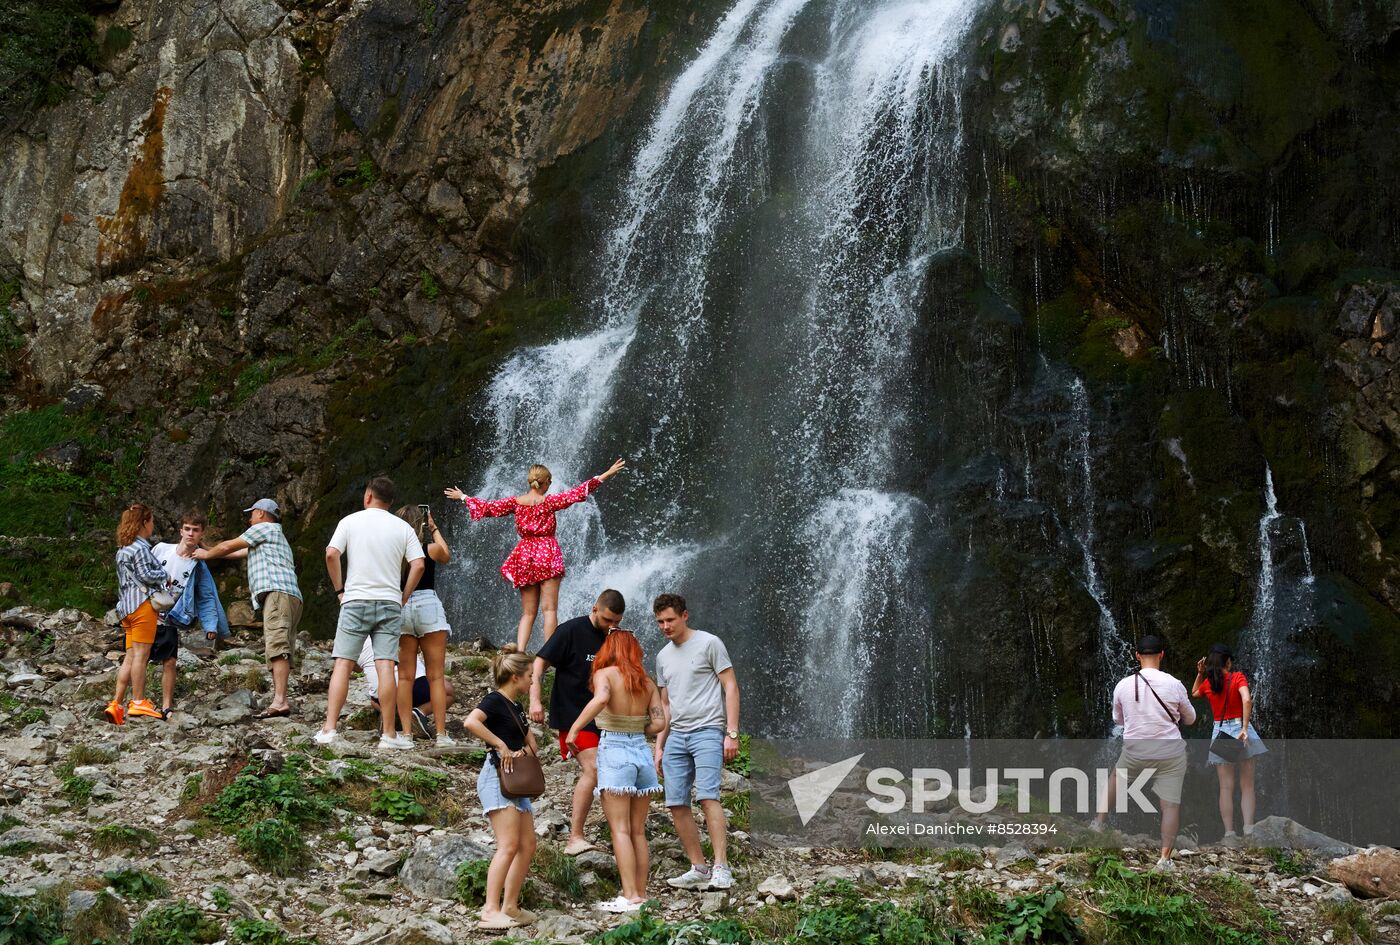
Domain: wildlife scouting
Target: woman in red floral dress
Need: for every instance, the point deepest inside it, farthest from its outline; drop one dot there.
(536, 566)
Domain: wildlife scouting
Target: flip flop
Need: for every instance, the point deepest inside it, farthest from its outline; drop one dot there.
(270, 713)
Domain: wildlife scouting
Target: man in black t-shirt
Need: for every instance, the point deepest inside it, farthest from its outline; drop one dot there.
(570, 651)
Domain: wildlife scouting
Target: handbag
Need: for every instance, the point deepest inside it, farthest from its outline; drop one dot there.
(526, 777)
(161, 601)
(1224, 746)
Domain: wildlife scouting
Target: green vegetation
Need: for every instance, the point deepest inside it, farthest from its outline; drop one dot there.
(41, 42)
(179, 924)
(276, 844)
(428, 285)
(398, 806)
(471, 882)
(743, 762)
(256, 376)
(259, 932)
(136, 884)
(289, 794)
(24, 921)
(121, 837)
(423, 784)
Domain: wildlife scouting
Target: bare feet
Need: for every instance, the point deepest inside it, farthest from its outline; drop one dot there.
(578, 845)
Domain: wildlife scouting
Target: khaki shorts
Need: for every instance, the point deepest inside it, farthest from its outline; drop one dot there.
(281, 614)
(1168, 779)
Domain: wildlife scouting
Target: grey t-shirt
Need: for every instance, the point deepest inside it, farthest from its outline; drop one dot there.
(690, 676)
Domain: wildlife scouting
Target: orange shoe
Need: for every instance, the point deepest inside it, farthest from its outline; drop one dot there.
(114, 713)
(144, 707)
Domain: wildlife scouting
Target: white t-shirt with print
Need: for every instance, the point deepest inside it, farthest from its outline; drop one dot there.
(376, 543)
(179, 568)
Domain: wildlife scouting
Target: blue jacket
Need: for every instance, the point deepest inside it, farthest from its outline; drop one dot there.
(200, 599)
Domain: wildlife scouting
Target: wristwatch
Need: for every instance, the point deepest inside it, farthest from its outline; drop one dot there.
(732, 733)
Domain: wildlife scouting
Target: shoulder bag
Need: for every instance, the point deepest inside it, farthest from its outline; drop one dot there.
(526, 777)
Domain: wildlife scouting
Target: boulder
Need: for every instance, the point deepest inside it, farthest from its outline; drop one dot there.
(1373, 873)
(561, 927)
(431, 869)
(777, 886)
(27, 750)
(232, 708)
(411, 930)
(1289, 834)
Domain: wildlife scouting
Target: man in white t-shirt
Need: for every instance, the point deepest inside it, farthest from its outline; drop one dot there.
(378, 544)
(1150, 705)
(178, 560)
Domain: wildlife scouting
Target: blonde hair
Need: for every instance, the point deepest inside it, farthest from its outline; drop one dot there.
(133, 520)
(413, 515)
(509, 663)
(540, 477)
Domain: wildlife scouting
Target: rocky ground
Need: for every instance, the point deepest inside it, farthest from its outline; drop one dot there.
(113, 827)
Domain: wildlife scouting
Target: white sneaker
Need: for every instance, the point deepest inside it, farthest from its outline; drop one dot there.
(697, 877)
(721, 877)
(403, 740)
(1164, 865)
(397, 743)
(324, 738)
(1229, 838)
(617, 904)
(445, 741)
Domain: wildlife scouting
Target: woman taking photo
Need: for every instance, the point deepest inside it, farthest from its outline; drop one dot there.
(1231, 706)
(499, 721)
(425, 628)
(536, 566)
(139, 575)
(628, 709)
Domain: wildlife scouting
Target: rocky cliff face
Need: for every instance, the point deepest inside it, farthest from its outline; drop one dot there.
(257, 207)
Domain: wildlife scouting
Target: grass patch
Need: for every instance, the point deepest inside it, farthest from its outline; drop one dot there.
(181, 923)
(275, 844)
(1347, 920)
(136, 884)
(259, 932)
(960, 858)
(121, 837)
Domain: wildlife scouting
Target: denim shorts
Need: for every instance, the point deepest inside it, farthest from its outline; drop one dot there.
(424, 615)
(488, 788)
(692, 760)
(377, 619)
(625, 764)
(1231, 727)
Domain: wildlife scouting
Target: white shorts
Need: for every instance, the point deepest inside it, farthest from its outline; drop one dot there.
(424, 615)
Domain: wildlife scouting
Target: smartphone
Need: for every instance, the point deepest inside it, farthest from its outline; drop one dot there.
(423, 507)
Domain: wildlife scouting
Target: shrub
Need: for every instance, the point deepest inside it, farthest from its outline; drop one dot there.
(41, 41)
(31, 715)
(647, 929)
(121, 837)
(398, 806)
(179, 924)
(24, 921)
(287, 794)
(471, 882)
(136, 884)
(258, 932)
(274, 844)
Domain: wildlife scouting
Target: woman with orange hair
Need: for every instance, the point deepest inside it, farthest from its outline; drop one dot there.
(627, 706)
(139, 575)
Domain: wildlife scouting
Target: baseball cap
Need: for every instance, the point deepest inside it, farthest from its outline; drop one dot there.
(1151, 644)
(266, 505)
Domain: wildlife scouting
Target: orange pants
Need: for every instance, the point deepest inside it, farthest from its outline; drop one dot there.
(140, 625)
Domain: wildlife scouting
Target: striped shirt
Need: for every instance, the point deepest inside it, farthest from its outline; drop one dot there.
(139, 575)
(270, 564)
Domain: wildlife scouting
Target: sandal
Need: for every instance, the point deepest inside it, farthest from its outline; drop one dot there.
(166, 712)
(500, 923)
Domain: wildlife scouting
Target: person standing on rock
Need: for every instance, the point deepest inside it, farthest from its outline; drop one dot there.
(1150, 705)
(498, 721)
(700, 696)
(536, 566)
(196, 597)
(139, 576)
(571, 651)
(425, 628)
(272, 582)
(372, 598)
(1231, 705)
(628, 709)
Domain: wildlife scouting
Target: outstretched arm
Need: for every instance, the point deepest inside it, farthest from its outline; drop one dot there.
(222, 550)
(481, 508)
(583, 490)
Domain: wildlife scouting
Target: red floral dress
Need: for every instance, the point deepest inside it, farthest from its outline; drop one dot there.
(537, 556)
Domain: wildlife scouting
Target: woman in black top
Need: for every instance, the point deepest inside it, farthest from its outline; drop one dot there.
(500, 722)
(425, 629)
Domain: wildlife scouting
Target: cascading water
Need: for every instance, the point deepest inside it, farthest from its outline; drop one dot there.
(1282, 601)
(751, 356)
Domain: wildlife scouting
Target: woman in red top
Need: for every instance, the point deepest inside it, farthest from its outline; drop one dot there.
(1231, 705)
(536, 566)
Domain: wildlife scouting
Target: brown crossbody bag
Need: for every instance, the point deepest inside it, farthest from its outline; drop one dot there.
(526, 776)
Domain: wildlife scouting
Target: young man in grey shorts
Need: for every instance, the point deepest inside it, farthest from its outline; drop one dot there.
(378, 543)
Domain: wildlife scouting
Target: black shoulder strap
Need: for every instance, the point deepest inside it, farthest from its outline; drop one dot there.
(1139, 675)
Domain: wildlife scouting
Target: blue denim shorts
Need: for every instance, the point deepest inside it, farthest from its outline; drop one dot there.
(424, 614)
(625, 765)
(1231, 727)
(692, 760)
(488, 788)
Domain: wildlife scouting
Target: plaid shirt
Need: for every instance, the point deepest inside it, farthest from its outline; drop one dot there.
(139, 575)
(270, 564)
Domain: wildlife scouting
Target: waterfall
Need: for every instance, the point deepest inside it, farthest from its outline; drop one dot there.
(1266, 647)
(750, 351)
